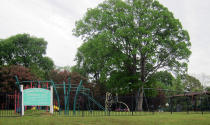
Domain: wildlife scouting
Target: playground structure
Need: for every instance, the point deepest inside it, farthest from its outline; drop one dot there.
(67, 89)
(110, 100)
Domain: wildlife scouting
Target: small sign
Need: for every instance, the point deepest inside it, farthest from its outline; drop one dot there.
(36, 97)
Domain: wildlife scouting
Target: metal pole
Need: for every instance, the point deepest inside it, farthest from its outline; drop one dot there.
(75, 97)
(171, 99)
(56, 93)
(68, 93)
(15, 102)
(132, 104)
(64, 92)
(201, 105)
(188, 105)
(51, 105)
(22, 100)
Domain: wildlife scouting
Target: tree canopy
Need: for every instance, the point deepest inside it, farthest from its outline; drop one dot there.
(136, 37)
(191, 84)
(26, 50)
(7, 80)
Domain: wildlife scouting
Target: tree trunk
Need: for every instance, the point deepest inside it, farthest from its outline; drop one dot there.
(140, 93)
(140, 98)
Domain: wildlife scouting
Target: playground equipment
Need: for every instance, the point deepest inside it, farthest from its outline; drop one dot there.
(110, 101)
(56, 108)
(67, 89)
(83, 104)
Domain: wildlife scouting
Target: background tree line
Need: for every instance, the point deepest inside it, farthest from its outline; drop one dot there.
(25, 56)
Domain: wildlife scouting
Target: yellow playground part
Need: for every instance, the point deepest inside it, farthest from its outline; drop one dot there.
(33, 108)
(56, 108)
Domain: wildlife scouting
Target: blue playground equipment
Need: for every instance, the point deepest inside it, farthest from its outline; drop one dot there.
(67, 89)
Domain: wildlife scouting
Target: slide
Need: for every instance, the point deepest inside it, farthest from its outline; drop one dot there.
(93, 100)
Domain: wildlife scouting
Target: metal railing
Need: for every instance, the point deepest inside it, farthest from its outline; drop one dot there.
(92, 106)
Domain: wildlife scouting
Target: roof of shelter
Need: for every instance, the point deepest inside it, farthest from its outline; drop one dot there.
(192, 94)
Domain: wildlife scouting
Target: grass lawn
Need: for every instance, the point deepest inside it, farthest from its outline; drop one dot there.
(157, 119)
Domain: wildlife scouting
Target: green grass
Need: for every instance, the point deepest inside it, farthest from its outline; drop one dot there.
(157, 119)
(86, 113)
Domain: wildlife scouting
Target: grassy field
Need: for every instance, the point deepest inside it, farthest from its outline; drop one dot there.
(70, 113)
(157, 119)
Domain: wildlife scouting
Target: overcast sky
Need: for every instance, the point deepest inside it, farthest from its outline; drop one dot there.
(54, 20)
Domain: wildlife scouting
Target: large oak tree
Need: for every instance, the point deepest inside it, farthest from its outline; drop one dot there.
(135, 37)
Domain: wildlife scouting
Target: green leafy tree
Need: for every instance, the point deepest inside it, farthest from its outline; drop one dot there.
(162, 82)
(26, 50)
(23, 49)
(191, 84)
(92, 57)
(46, 64)
(1, 52)
(163, 77)
(139, 36)
(177, 85)
(207, 89)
